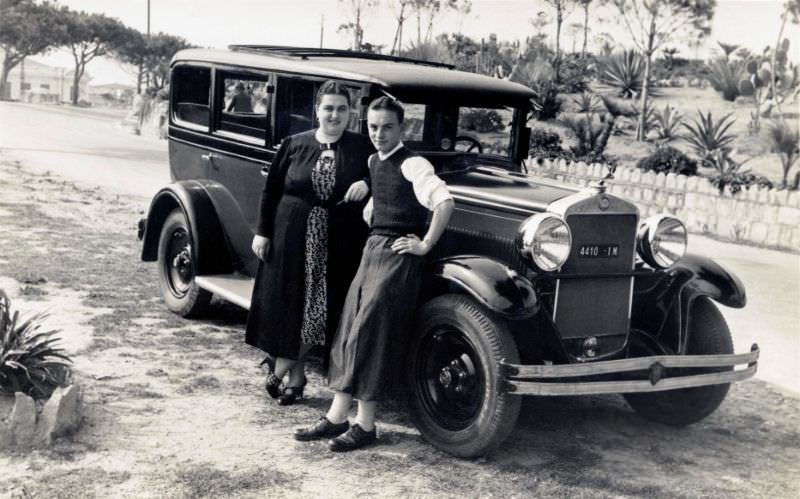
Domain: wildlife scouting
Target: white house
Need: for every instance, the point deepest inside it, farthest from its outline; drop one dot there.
(32, 81)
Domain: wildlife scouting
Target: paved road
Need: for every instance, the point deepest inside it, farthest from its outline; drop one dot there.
(90, 147)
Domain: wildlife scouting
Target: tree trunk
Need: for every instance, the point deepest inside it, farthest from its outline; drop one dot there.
(585, 29)
(648, 56)
(559, 21)
(4, 78)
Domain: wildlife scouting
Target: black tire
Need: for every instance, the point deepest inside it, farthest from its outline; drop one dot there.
(176, 268)
(454, 379)
(708, 335)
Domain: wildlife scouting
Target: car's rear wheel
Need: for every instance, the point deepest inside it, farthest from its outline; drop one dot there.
(177, 268)
(455, 380)
(708, 335)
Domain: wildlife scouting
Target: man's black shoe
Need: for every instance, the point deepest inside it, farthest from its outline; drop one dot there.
(321, 429)
(355, 438)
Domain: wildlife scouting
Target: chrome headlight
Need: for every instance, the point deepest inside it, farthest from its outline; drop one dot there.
(661, 241)
(546, 240)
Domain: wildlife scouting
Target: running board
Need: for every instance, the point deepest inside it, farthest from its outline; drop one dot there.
(235, 288)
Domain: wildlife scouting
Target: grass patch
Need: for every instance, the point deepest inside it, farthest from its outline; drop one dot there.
(76, 483)
(206, 382)
(204, 480)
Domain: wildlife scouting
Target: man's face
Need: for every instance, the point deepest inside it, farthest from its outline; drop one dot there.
(384, 129)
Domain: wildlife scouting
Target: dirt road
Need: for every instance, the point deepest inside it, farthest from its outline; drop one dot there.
(175, 408)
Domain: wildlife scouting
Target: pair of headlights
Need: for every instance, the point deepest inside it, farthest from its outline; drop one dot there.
(545, 239)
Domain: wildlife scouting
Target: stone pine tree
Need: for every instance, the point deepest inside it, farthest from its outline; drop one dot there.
(584, 4)
(90, 36)
(26, 28)
(653, 23)
(355, 26)
(562, 9)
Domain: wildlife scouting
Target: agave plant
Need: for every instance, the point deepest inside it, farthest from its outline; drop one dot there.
(592, 137)
(586, 103)
(729, 173)
(708, 137)
(30, 361)
(624, 72)
(546, 103)
(725, 77)
(650, 117)
(667, 123)
(785, 140)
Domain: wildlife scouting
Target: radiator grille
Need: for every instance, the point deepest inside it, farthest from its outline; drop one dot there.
(598, 306)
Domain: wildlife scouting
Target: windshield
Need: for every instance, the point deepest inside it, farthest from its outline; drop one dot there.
(434, 126)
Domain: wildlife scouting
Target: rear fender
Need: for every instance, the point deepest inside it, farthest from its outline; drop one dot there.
(493, 284)
(210, 243)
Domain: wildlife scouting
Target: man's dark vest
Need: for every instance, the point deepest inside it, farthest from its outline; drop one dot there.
(396, 210)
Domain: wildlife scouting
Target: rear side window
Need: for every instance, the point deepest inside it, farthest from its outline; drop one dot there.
(191, 97)
(295, 106)
(243, 107)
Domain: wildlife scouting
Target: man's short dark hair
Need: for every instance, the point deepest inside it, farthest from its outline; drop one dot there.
(388, 104)
(331, 87)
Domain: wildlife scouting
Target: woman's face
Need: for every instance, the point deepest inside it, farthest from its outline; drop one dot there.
(333, 114)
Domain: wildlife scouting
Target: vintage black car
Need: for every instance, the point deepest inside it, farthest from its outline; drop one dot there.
(536, 288)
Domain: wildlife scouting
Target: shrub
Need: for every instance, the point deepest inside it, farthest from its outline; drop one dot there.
(482, 120)
(725, 76)
(668, 160)
(575, 74)
(708, 138)
(785, 141)
(29, 360)
(546, 103)
(730, 174)
(667, 123)
(546, 145)
(624, 72)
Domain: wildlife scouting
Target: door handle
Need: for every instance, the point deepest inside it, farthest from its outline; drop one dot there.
(209, 156)
(264, 171)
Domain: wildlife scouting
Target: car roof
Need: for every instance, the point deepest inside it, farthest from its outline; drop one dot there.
(406, 77)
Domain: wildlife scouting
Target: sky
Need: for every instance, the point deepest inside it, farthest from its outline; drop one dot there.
(213, 23)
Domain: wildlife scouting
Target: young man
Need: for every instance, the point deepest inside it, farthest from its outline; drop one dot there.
(382, 300)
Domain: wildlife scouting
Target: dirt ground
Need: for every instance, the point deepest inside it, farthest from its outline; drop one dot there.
(175, 408)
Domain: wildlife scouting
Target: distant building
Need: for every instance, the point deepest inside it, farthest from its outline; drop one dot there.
(111, 95)
(32, 81)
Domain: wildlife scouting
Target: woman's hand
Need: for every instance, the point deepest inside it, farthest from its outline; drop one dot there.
(357, 191)
(261, 247)
(411, 244)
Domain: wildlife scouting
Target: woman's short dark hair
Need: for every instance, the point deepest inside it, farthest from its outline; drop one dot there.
(386, 103)
(331, 87)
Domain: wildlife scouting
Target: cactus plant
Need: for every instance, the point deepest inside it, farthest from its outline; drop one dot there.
(768, 86)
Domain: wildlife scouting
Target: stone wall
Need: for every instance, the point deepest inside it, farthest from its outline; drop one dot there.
(766, 217)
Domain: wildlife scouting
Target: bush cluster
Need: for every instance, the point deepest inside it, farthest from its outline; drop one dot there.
(668, 160)
(482, 120)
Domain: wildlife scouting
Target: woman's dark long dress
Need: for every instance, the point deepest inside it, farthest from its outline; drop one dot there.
(276, 316)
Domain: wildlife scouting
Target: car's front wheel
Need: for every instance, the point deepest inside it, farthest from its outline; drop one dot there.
(455, 380)
(708, 335)
(176, 266)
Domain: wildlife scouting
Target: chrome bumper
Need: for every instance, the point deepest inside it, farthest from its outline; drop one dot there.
(549, 379)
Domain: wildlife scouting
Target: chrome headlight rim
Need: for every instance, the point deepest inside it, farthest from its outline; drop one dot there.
(545, 231)
(661, 241)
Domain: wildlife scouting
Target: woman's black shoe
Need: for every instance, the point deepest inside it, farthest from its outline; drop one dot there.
(273, 385)
(355, 438)
(291, 394)
(320, 430)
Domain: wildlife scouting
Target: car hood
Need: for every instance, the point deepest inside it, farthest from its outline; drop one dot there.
(504, 189)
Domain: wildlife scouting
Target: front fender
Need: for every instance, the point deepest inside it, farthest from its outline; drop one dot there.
(663, 300)
(493, 284)
(210, 244)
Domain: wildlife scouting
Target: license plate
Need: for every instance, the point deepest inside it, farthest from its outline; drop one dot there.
(598, 250)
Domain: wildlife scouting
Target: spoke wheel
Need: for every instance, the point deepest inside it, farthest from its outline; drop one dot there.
(457, 400)
(177, 269)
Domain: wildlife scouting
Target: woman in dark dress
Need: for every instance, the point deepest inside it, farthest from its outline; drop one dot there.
(309, 239)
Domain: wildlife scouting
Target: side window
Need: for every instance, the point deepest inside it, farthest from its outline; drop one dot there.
(190, 97)
(294, 107)
(413, 122)
(243, 107)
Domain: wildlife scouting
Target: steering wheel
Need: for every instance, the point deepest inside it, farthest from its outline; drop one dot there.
(473, 143)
